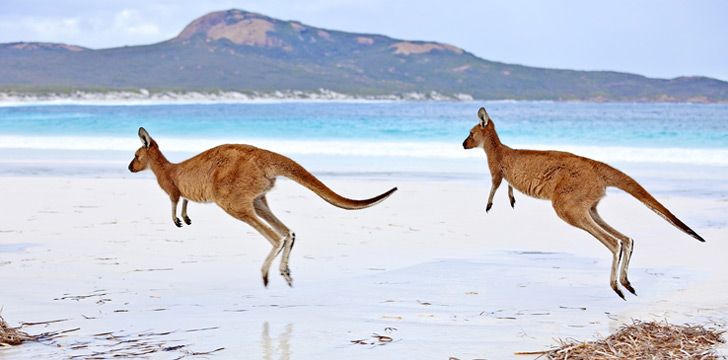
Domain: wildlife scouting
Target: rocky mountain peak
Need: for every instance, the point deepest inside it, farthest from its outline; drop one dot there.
(238, 26)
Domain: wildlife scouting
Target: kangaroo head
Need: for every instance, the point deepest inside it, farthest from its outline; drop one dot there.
(481, 132)
(141, 156)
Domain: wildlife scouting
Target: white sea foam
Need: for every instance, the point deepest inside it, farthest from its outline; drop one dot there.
(144, 97)
(367, 148)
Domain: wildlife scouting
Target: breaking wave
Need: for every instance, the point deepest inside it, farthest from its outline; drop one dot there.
(368, 148)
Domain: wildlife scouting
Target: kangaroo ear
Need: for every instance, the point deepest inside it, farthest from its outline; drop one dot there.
(144, 137)
(484, 117)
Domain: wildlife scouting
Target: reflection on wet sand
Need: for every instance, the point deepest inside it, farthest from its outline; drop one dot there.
(283, 348)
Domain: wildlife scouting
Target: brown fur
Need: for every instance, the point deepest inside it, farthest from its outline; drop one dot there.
(237, 178)
(574, 184)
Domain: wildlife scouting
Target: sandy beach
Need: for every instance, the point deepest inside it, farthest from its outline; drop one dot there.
(114, 115)
(427, 268)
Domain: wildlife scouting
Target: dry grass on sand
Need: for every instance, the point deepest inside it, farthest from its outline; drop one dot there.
(643, 340)
(12, 336)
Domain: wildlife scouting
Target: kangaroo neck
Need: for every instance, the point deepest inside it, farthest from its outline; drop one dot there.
(494, 149)
(161, 168)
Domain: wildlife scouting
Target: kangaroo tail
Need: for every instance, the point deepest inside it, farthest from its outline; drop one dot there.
(620, 180)
(284, 166)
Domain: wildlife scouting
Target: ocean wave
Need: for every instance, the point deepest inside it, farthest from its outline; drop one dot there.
(368, 148)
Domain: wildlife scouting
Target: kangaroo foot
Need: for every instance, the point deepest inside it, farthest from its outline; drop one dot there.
(188, 221)
(628, 286)
(178, 222)
(487, 207)
(265, 279)
(616, 290)
(513, 203)
(286, 273)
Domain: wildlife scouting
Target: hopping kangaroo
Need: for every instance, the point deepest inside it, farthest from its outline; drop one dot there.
(574, 184)
(237, 178)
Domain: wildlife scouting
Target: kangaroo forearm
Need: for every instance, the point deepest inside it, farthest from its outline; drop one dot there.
(184, 208)
(175, 219)
(497, 179)
(511, 198)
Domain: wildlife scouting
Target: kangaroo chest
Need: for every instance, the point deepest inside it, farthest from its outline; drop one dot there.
(196, 194)
(195, 188)
(539, 182)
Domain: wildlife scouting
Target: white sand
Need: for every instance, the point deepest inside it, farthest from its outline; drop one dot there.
(428, 262)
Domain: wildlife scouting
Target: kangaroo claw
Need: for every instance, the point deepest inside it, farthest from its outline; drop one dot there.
(629, 288)
(178, 222)
(287, 276)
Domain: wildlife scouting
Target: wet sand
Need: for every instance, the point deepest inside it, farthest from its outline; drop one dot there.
(428, 270)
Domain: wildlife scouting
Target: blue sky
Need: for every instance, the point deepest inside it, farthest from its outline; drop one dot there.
(659, 38)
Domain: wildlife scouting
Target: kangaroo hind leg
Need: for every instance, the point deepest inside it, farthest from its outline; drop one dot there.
(579, 217)
(247, 214)
(263, 210)
(627, 248)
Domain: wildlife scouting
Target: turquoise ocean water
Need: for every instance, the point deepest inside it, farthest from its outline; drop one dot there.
(416, 138)
(587, 124)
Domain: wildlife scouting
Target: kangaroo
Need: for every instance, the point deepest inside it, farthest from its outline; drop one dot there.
(237, 178)
(574, 184)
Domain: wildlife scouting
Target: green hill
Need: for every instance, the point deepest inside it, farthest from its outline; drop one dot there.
(236, 50)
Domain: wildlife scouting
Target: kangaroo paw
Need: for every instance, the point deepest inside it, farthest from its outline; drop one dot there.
(265, 280)
(513, 203)
(487, 207)
(178, 222)
(287, 276)
(188, 221)
(619, 292)
(629, 287)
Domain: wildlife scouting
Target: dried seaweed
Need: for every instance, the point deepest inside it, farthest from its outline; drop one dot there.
(122, 345)
(643, 340)
(376, 339)
(108, 344)
(11, 336)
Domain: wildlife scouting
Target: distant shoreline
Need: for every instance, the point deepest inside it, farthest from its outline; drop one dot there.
(146, 97)
(171, 97)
